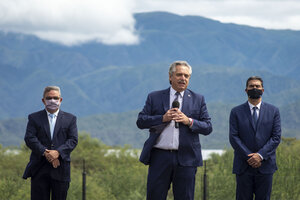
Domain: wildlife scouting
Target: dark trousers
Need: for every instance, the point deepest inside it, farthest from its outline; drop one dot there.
(252, 183)
(42, 185)
(164, 169)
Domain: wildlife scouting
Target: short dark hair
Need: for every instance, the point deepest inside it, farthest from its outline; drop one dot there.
(255, 78)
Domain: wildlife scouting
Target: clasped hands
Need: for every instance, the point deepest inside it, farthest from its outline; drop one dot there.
(176, 115)
(254, 160)
(52, 157)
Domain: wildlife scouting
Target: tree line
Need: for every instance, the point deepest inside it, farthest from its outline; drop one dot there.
(119, 175)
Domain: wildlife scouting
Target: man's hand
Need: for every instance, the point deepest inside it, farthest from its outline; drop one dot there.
(169, 115)
(254, 160)
(51, 155)
(176, 115)
(181, 117)
(55, 163)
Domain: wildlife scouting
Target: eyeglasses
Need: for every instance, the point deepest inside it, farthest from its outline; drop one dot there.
(49, 98)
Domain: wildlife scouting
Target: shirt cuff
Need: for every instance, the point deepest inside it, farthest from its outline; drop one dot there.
(260, 156)
(191, 122)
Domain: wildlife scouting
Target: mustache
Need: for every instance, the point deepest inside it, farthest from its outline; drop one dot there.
(181, 82)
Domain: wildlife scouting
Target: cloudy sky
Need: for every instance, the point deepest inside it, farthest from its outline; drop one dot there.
(72, 22)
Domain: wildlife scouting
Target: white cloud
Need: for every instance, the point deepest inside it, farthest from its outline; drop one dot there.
(71, 21)
(272, 14)
(111, 21)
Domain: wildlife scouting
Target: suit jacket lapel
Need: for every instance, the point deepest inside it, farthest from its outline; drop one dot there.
(45, 122)
(166, 99)
(249, 116)
(261, 114)
(58, 123)
(185, 101)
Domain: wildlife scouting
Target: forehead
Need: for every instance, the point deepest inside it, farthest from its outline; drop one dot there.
(52, 93)
(182, 69)
(254, 82)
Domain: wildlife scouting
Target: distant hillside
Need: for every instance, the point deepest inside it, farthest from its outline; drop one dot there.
(118, 129)
(97, 78)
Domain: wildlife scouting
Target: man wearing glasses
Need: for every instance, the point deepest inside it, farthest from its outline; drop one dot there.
(51, 134)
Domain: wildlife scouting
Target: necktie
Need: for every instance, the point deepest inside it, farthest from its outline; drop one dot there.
(52, 124)
(176, 96)
(254, 115)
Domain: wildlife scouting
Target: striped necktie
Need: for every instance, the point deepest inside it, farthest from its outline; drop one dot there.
(176, 96)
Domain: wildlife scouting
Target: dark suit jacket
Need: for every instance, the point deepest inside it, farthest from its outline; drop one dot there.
(37, 138)
(246, 139)
(193, 106)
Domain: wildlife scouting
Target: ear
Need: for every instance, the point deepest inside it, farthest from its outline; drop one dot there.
(170, 79)
(60, 99)
(43, 100)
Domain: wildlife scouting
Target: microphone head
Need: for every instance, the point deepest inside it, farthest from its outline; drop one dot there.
(175, 104)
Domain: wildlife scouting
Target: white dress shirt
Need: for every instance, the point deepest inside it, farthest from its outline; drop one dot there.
(54, 121)
(257, 112)
(169, 138)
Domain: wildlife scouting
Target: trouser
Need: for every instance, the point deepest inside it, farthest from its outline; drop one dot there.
(165, 169)
(43, 186)
(252, 183)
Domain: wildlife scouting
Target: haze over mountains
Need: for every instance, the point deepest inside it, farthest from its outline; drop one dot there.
(98, 79)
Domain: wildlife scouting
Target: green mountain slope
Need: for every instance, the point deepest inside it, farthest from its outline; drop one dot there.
(118, 129)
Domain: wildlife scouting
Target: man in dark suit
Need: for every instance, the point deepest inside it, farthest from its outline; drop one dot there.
(173, 149)
(254, 134)
(51, 134)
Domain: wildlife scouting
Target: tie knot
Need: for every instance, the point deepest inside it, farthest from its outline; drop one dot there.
(51, 116)
(255, 108)
(176, 96)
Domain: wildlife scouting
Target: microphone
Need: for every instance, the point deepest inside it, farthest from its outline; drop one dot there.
(176, 104)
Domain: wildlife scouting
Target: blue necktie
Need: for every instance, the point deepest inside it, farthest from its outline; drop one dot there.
(52, 124)
(254, 115)
(176, 96)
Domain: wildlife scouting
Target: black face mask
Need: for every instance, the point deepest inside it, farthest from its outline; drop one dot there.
(254, 93)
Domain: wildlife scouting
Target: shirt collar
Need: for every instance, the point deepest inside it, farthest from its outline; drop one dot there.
(173, 92)
(251, 105)
(55, 114)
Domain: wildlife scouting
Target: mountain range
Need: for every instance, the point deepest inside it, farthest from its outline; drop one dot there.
(100, 80)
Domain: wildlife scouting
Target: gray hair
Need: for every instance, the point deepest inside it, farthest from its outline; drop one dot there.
(172, 68)
(49, 88)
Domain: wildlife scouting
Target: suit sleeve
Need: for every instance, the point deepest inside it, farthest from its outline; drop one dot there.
(146, 119)
(202, 124)
(31, 138)
(72, 139)
(235, 141)
(271, 145)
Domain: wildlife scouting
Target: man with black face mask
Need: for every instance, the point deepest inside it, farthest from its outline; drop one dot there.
(52, 135)
(254, 134)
